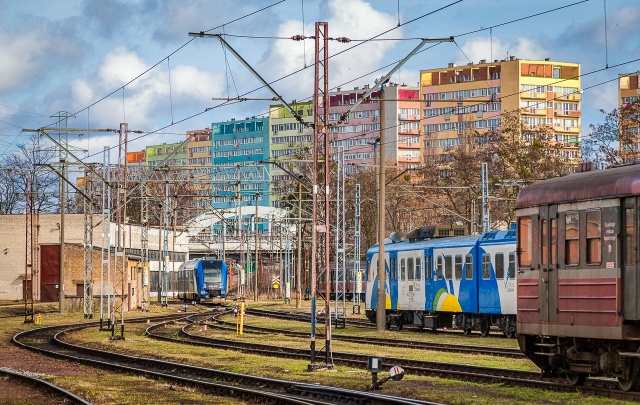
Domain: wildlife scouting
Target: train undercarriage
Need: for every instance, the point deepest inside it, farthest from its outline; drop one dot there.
(447, 320)
(577, 358)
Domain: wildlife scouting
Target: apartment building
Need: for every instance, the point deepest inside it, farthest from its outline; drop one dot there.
(356, 137)
(628, 94)
(199, 163)
(238, 174)
(289, 140)
(400, 106)
(155, 154)
(461, 99)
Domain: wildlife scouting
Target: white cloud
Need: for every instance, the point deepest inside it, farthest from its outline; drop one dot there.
(22, 57)
(354, 19)
(148, 100)
(476, 49)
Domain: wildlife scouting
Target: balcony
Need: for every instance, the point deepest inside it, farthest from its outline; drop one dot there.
(566, 129)
(408, 117)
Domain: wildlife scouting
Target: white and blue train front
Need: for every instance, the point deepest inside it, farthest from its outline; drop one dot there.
(466, 282)
(202, 279)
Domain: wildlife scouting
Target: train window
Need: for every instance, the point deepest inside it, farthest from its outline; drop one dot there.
(553, 242)
(629, 236)
(486, 266)
(593, 237)
(458, 265)
(393, 271)
(418, 269)
(447, 267)
(572, 233)
(544, 242)
(440, 269)
(499, 265)
(468, 265)
(410, 269)
(403, 270)
(512, 265)
(524, 241)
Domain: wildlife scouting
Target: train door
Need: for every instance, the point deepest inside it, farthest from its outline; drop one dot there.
(630, 267)
(409, 280)
(372, 282)
(548, 225)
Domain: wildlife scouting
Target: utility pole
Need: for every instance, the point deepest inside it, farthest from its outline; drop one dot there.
(255, 270)
(381, 313)
(486, 222)
(299, 261)
(165, 244)
(27, 282)
(321, 188)
(357, 285)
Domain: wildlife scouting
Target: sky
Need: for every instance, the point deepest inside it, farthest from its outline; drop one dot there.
(112, 61)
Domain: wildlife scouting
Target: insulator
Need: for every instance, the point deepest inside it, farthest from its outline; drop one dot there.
(343, 39)
(298, 37)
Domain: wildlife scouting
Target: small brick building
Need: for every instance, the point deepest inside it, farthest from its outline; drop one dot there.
(45, 257)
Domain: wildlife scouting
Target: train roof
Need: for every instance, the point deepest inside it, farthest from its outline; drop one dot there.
(455, 241)
(589, 185)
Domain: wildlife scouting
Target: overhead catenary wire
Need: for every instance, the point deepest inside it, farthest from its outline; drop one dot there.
(195, 115)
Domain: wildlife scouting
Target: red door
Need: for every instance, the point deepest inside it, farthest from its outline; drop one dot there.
(49, 273)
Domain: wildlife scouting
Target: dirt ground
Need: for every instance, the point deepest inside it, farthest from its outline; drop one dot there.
(17, 359)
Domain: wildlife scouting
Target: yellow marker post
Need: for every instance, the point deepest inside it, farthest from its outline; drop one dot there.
(240, 320)
(38, 320)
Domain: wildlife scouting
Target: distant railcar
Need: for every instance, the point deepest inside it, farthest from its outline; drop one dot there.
(579, 275)
(202, 280)
(466, 282)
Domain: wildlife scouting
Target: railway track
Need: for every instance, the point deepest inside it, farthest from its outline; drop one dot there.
(54, 393)
(51, 341)
(442, 347)
(594, 386)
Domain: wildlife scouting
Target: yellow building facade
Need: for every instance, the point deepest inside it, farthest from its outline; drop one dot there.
(473, 97)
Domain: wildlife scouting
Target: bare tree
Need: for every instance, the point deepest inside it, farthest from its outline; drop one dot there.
(614, 141)
(516, 154)
(24, 163)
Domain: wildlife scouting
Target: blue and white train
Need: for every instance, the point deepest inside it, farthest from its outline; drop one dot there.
(466, 282)
(202, 280)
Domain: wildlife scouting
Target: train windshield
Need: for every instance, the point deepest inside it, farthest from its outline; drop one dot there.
(212, 270)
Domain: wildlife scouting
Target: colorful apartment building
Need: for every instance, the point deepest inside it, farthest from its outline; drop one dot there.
(629, 93)
(461, 99)
(136, 164)
(237, 173)
(199, 162)
(400, 106)
(288, 141)
(155, 154)
(357, 136)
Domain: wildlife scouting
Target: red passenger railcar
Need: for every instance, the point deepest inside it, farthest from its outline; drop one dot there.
(578, 247)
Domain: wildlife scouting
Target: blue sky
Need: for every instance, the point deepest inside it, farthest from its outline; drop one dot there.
(68, 55)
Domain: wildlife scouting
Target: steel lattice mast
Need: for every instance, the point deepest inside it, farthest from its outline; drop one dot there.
(357, 276)
(88, 246)
(28, 269)
(120, 266)
(105, 268)
(321, 186)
